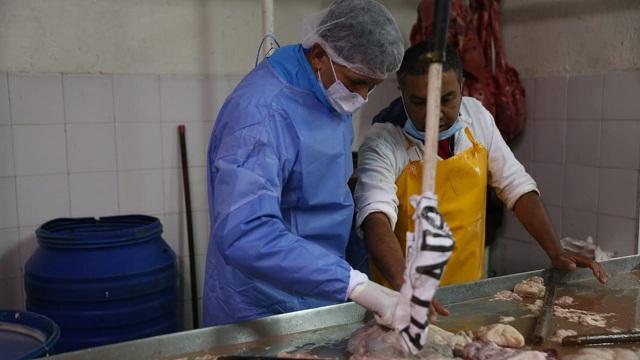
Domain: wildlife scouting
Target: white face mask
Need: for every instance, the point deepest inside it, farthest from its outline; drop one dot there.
(343, 100)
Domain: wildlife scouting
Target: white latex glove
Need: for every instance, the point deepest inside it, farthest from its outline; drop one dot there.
(377, 299)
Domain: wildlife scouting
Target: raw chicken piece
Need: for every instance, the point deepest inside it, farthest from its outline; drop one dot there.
(206, 357)
(439, 336)
(501, 334)
(602, 354)
(372, 341)
(296, 355)
(532, 287)
(565, 301)
(561, 334)
(587, 318)
(506, 295)
(535, 307)
(507, 319)
(490, 351)
(375, 342)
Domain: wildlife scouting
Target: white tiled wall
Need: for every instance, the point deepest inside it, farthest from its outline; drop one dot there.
(582, 144)
(97, 145)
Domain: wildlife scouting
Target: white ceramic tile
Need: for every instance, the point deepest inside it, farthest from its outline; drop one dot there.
(6, 151)
(140, 192)
(174, 201)
(94, 194)
(538, 259)
(28, 244)
(42, 198)
(5, 118)
(555, 215)
(88, 98)
(583, 143)
(139, 146)
(584, 97)
(512, 229)
(517, 256)
(40, 149)
(621, 95)
(137, 98)
(550, 180)
(186, 315)
(183, 270)
(618, 190)
(549, 141)
(208, 129)
(528, 166)
(617, 234)
(551, 98)
(234, 80)
(218, 86)
(184, 280)
(91, 147)
(497, 257)
(620, 146)
(11, 297)
(201, 231)
(196, 137)
(9, 253)
(580, 190)
(8, 208)
(579, 224)
(36, 99)
(182, 99)
(175, 233)
(530, 97)
(174, 190)
(522, 146)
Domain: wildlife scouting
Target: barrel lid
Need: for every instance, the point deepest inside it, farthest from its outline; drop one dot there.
(98, 232)
(26, 335)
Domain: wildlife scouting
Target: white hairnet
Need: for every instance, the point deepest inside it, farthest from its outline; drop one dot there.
(359, 34)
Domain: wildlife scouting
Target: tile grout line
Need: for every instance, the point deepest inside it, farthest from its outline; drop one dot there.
(115, 140)
(162, 145)
(66, 142)
(23, 295)
(600, 148)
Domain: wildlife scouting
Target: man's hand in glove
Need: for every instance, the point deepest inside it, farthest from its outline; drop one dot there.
(378, 299)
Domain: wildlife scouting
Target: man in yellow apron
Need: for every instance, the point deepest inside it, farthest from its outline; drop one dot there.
(472, 154)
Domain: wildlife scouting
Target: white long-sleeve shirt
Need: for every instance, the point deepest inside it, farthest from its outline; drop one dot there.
(383, 156)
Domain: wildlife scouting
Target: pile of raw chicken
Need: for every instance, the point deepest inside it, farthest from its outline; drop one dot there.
(493, 342)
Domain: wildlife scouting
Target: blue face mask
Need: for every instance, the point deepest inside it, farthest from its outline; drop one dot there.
(454, 128)
(411, 129)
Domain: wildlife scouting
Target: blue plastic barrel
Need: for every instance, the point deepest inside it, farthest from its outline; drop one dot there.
(103, 280)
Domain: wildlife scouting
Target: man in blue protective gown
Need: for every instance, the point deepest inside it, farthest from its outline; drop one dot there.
(278, 164)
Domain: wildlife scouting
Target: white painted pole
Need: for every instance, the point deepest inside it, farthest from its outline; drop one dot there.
(267, 25)
(434, 88)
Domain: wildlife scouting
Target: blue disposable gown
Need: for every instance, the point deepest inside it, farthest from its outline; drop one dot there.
(278, 163)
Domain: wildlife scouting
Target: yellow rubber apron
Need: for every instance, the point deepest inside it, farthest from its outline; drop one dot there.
(461, 187)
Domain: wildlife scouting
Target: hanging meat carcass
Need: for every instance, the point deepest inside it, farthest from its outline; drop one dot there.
(510, 106)
(474, 32)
